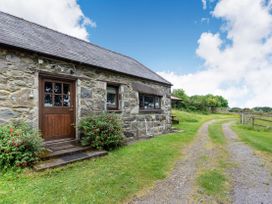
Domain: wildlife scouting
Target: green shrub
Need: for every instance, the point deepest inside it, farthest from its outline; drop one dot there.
(103, 131)
(19, 145)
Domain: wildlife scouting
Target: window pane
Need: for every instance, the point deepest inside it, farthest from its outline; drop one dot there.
(157, 102)
(66, 100)
(111, 99)
(66, 89)
(48, 100)
(48, 87)
(148, 102)
(58, 100)
(112, 90)
(58, 88)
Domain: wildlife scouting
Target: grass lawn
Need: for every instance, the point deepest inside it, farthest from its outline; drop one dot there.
(212, 182)
(257, 138)
(110, 179)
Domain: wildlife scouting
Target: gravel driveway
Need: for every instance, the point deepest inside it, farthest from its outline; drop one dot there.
(252, 181)
(177, 188)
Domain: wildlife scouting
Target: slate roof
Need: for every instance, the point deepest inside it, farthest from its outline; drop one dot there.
(20, 33)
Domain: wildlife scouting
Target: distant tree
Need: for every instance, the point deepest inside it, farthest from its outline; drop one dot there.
(212, 102)
(235, 110)
(198, 103)
(223, 103)
(246, 110)
(201, 103)
(264, 109)
(180, 93)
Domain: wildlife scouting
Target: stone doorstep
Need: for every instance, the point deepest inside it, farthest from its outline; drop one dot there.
(60, 142)
(59, 147)
(71, 150)
(67, 159)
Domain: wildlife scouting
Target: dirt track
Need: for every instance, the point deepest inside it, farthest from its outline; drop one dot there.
(251, 180)
(177, 188)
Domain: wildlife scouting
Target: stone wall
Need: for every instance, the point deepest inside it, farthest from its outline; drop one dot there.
(19, 97)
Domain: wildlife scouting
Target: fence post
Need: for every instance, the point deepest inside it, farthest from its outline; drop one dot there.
(242, 118)
(253, 119)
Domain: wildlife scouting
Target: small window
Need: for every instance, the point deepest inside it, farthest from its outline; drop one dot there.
(57, 94)
(149, 102)
(112, 97)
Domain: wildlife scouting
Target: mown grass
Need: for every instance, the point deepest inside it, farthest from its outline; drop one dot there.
(212, 181)
(257, 138)
(111, 179)
(216, 133)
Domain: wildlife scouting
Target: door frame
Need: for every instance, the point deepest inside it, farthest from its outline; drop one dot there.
(62, 78)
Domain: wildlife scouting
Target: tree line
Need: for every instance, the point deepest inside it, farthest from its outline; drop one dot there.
(264, 109)
(203, 103)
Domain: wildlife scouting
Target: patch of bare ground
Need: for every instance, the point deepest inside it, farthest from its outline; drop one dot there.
(267, 158)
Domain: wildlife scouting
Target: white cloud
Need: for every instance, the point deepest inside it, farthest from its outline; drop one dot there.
(62, 15)
(204, 4)
(238, 66)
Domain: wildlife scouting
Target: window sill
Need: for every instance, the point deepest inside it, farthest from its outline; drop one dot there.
(151, 111)
(114, 111)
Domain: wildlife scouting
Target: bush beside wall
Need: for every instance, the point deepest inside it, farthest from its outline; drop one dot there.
(103, 131)
(20, 145)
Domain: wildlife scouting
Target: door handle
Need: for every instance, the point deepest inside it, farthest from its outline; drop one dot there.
(72, 124)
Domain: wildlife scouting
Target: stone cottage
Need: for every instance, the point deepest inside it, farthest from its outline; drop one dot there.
(52, 80)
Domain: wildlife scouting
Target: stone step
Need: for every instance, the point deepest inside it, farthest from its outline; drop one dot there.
(67, 159)
(60, 145)
(66, 151)
(60, 141)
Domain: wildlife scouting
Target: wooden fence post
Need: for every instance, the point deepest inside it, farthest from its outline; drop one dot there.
(253, 119)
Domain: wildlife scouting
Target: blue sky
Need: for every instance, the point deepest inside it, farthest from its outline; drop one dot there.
(171, 38)
(161, 34)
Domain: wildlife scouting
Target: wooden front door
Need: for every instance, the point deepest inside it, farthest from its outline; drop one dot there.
(57, 108)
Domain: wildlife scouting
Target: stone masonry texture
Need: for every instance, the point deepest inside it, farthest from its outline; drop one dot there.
(19, 92)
